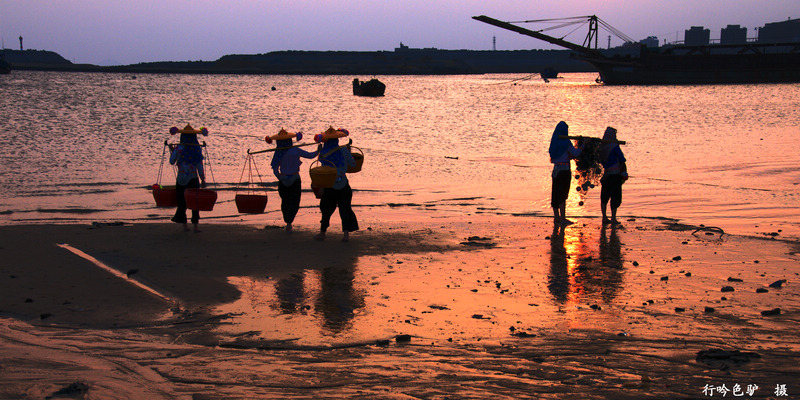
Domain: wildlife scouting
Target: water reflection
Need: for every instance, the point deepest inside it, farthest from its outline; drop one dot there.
(579, 274)
(339, 299)
(313, 302)
(290, 294)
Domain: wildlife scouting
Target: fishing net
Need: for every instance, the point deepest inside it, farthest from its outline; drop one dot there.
(588, 168)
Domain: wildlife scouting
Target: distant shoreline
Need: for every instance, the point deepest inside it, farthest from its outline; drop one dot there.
(402, 61)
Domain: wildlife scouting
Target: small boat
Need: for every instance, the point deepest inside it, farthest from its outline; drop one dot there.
(549, 73)
(372, 88)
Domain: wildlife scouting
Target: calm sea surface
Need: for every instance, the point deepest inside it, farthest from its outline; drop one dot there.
(85, 147)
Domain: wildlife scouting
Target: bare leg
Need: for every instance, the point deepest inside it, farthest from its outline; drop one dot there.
(564, 220)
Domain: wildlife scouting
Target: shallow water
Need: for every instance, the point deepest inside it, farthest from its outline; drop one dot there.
(85, 147)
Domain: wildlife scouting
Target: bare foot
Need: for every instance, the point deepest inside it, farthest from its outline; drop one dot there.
(346, 237)
(288, 227)
(566, 222)
(320, 236)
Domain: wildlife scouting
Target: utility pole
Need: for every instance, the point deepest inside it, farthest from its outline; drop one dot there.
(20, 43)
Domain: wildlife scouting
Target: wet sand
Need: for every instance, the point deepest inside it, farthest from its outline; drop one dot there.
(416, 305)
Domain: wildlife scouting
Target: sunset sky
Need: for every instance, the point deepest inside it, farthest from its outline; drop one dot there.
(112, 32)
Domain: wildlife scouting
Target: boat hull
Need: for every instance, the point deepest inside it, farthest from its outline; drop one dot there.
(699, 69)
(370, 88)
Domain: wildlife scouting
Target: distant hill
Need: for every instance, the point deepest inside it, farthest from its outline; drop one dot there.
(33, 58)
(401, 61)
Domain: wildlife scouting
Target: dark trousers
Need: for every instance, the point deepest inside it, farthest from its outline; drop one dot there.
(290, 200)
(180, 213)
(611, 189)
(342, 198)
(560, 190)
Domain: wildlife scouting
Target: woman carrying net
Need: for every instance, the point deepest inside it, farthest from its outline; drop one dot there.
(615, 172)
(561, 152)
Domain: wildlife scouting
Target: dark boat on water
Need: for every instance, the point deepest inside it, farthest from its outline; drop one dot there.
(371, 88)
(548, 73)
(752, 62)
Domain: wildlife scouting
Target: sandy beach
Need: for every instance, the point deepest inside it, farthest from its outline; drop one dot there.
(433, 306)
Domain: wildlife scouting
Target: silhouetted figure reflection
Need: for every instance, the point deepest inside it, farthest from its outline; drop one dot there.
(338, 299)
(558, 279)
(611, 262)
(576, 274)
(290, 293)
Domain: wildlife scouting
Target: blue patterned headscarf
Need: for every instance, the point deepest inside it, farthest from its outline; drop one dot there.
(559, 146)
(335, 157)
(190, 154)
(278, 156)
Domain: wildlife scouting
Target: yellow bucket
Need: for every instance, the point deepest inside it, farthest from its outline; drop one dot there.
(323, 176)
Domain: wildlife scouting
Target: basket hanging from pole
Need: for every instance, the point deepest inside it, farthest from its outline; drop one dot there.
(165, 196)
(359, 157)
(251, 202)
(322, 176)
(200, 199)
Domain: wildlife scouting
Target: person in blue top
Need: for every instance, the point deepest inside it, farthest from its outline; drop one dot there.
(340, 195)
(286, 167)
(561, 152)
(615, 172)
(188, 157)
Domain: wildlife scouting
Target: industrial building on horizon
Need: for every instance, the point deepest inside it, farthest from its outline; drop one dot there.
(774, 32)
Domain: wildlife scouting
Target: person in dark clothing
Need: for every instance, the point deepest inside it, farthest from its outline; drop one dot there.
(615, 173)
(561, 152)
(188, 157)
(286, 167)
(340, 195)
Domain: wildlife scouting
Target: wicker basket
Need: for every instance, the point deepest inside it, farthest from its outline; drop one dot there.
(323, 176)
(359, 157)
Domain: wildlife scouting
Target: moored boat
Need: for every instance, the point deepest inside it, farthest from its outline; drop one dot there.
(372, 88)
(680, 64)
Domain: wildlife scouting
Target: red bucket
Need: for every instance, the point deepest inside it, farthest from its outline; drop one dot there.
(200, 199)
(251, 203)
(165, 196)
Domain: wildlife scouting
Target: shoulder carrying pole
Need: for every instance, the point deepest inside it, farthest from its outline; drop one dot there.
(279, 148)
(592, 138)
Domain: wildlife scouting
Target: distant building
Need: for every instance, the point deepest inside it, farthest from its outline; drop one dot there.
(650, 42)
(780, 32)
(697, 36)
(733, 34)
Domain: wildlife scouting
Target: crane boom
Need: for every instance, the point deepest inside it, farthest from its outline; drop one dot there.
(538, 35)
